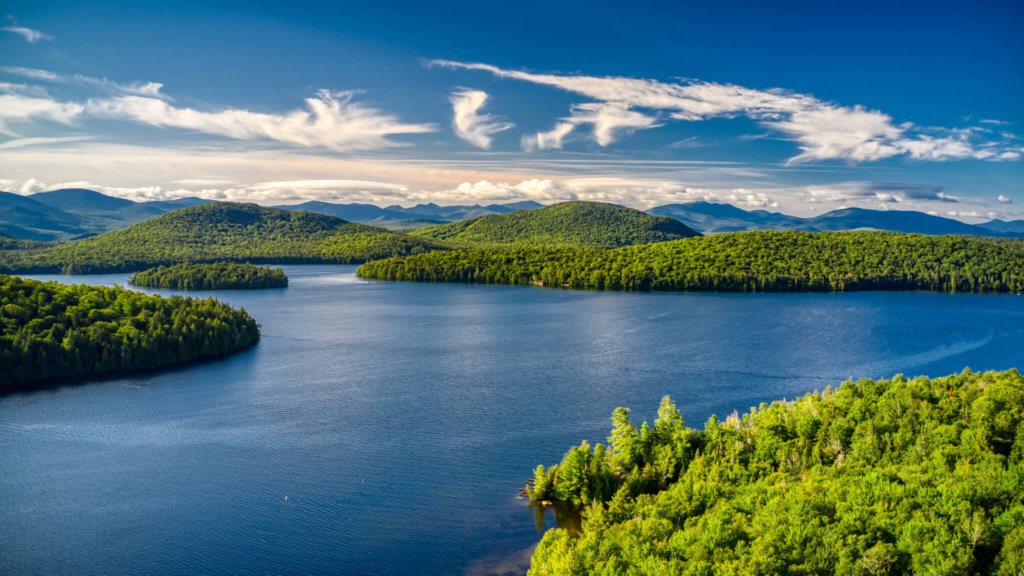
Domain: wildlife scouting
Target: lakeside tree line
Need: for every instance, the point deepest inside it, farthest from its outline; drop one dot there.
(741, 262)
(50, 330)
(213, 276)
(893, 477)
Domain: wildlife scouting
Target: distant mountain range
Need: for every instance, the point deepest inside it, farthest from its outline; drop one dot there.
(711, 218)
(75, 212)
(417, 216)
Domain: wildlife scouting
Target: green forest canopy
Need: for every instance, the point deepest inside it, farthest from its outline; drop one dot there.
(589, 224)
(219, 231)
(51, 330)
(211, 276)
(874, 478)
(740, 262)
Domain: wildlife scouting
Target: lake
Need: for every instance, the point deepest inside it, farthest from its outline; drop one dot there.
(385, 428)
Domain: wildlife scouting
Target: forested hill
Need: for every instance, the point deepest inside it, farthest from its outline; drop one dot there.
(875, 478)
(50, 330)
(219, 231)
(739, 262)
(589, 224)
(8, 242)
(212, 276)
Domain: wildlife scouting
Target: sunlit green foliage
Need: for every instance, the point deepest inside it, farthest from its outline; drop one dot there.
(51, 330)
(8, 242)
(214, 276)
(917, 476)
(591, 224)
(741, 262)
(219, 231)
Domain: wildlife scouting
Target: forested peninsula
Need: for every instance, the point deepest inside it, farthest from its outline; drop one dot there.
(213, 276)
(891, 477)
(738, 262)
(219, 231)
(50, 330)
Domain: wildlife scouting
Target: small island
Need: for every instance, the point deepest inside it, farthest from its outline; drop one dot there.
(54, 331)
(212, 276)
(903, 476)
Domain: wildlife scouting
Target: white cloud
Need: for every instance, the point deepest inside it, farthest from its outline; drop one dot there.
(1005, 199)
(471, 126)
(16, 108)
(330, 120)
(31, 36)
(24, 89)
(822, 130)
(854, 134)
(551, 139)
(26, 142)
(608, 118)
(150, 89)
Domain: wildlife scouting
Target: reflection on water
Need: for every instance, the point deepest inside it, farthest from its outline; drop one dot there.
(565, 516)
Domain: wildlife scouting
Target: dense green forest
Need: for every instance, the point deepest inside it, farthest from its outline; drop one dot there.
(741, 262)
(890, 477)
(50, 330)
(8, 242)
(212, 276)
(219, 231)
(577, 224)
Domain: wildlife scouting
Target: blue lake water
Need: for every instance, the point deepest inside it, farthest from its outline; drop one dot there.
(399, 420)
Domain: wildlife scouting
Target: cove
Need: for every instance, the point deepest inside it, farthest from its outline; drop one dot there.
(399, 420)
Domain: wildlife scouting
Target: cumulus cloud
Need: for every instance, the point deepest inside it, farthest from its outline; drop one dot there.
(31, 36)
(469, 124)
(822, 130)
(1005, 199)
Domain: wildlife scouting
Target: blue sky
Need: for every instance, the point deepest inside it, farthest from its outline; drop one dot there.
(795, 107)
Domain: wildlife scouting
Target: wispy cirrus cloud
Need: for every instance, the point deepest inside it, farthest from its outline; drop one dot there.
(21, 109)
(150, 89)
(469, 124)
(330, 120)
(31, 36)
(822, 130)
(609, 121)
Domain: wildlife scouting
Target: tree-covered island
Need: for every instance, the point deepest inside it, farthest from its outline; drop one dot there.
(212, 276)
(920, 476)
(738, 262)
(50, 330)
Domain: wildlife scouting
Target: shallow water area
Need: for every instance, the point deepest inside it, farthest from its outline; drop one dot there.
(385, 428)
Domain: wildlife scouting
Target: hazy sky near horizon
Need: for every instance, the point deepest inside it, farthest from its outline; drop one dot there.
(800, 107)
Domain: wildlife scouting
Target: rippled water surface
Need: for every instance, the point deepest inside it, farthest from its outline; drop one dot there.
(399, 420)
